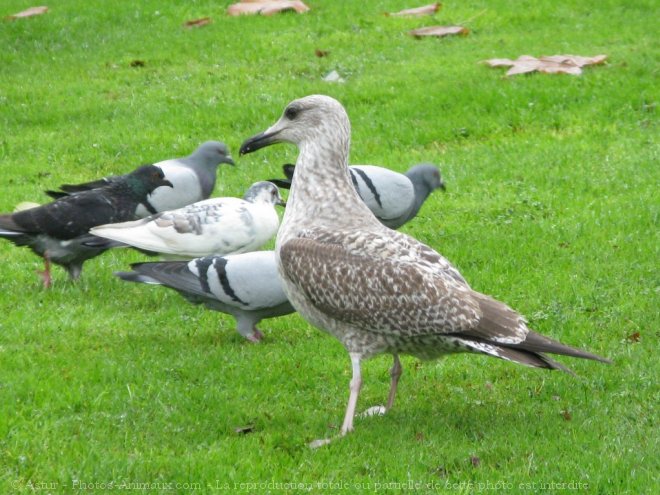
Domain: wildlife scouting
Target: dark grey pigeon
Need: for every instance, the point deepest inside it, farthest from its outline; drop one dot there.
(375, 289)
(245, 286)
(59, 231)
(393, 198)
(192, 177)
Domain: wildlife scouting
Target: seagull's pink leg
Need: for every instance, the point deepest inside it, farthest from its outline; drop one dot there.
(395, 373)
(356, 384)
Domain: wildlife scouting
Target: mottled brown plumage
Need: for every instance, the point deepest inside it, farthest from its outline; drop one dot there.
(375, 289)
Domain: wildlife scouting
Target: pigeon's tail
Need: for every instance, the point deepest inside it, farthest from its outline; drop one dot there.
(137, 278)
(173, 274)
(56, 194)
(288, 170)
(7, 231)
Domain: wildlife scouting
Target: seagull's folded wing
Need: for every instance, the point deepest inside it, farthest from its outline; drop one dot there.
(379, 294)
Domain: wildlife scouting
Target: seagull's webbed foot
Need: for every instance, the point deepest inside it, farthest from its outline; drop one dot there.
(355, 386)
(395, 373)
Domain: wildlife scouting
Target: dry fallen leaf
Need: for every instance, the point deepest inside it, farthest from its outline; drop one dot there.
(634, 337)
(321, 53)
(137, 63)
(566, 415)
(475, 461)
(268, 7)
(438, 31)
(243, 430)
(333, 76)
(554, 64)
(197, 22)
(32, 11)
(419, 11)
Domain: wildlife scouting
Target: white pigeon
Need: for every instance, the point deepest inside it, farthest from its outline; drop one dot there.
(393, 198)
(375, 289)
(246, 286)
(213, 226)
(192, 177)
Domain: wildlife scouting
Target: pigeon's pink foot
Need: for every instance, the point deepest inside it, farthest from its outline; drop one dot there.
(256, 337)
(45, 274)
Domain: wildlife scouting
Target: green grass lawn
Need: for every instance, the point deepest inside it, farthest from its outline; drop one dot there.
(552, 206)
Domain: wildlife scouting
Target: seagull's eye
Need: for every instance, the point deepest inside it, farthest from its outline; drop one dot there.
(291, 113)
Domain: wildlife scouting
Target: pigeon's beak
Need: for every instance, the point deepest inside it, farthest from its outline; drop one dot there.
(442, 187)
(259, 141)
(228, 160)
(281, 203)
(166, 182)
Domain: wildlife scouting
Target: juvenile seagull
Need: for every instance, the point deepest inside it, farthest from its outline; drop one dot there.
(58, 231)
(246, 286)
(375, 289)
(213, 226)
(192, 177)
(394, 198)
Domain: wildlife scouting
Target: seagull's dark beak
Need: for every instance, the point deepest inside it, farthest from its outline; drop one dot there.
(259, 141)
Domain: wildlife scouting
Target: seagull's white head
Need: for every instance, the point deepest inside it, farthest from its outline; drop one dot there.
(316, 119)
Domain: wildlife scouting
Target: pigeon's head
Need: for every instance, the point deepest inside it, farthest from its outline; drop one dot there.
(147, 178)
(211, 154)
(426, 175)
(312, 119)
(264, 192)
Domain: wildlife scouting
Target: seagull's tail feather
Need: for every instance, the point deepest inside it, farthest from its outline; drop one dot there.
(536, 343)
(520, 356)
(502, 332)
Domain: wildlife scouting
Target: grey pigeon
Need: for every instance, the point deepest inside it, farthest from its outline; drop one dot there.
(58, 231)
(213, 226)
(245, 286)
(374, 289)
(394, 198)
(193, 179)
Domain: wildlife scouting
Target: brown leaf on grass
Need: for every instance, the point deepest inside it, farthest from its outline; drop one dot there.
(418, 11)
(203, 21)
(634, 337)
(566, 415)
(438, 31)
(321, 53)
(137, 63)
(266, 7)
(554, 64)
(244, 430)
(32, 11)
(475, 461)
